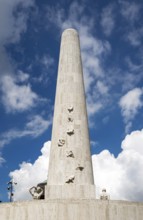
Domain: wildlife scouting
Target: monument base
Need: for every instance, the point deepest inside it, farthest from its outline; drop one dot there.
(71, 209)
(70, 192)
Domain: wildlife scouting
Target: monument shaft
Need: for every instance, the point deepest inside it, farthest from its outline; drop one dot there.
(70, 167)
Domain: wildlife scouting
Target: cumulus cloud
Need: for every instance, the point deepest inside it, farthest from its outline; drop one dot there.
(121, 176)
(107, 19)
(36, 126)
(29, 174)
(17, 97)
(130, 103)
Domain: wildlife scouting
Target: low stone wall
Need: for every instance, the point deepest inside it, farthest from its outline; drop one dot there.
(71, 210)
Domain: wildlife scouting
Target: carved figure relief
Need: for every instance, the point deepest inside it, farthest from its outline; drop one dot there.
(104, 195)
(70, 108)
(70, 131)
(70, 119)
(36, 192)
(79, 167)
(70, 179)
(61, 142)
(70, 154)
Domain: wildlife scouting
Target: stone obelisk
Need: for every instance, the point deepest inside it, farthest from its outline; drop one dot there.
(70, 191)
(70, 172)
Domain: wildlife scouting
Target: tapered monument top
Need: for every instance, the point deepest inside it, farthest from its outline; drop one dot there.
(69, 31)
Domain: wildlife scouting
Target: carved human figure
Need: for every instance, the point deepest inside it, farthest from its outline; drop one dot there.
(70, 154)
(70, 108)
(36, 192)
(61, 142)
(104, 195)
(70, 131)
(70, 179)
(80, 167)
(70, 119)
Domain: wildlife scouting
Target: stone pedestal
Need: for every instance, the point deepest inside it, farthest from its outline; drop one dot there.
(71, 209)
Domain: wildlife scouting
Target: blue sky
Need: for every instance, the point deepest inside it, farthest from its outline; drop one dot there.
(111, 37)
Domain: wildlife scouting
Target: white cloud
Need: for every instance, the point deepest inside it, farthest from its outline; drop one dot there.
(22, 77)
(102, 88)
(132, 77)
(130, 103)
(47, 61)
(33, 128)
(133, 66)
(15, 97)
(106, 168)
(37, 125)
(135, 36)
(93, 107)
(13, 22)
(130, 10)
(2, 160)
(121, 176)
(29, 174)
(106, 119)
(107, 19)
(124, 172)
(131, 13)
(134, 142)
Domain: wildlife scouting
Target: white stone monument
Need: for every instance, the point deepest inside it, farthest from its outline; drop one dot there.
(70, 172)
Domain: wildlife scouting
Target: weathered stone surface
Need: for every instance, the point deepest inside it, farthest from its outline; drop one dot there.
(70, 124)
(71, 209)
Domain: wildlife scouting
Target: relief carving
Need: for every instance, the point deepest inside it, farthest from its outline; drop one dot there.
(70, 119)
(70, 179)
(104, 195)
(70, 154)
(70, 108)
(36, 192)
(70, 131)
(79, 167)
(61, 142)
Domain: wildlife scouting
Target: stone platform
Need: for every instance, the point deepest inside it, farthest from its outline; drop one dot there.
(70, 209)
